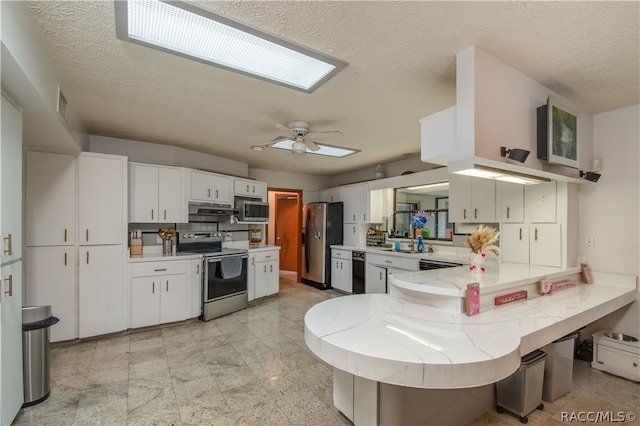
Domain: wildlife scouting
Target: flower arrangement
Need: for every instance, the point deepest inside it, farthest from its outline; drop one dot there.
(418, 219)
(481, 241)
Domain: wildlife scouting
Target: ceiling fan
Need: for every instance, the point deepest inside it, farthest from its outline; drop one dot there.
(301, 137)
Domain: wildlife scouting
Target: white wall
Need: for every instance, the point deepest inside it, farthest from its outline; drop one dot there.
(610, 209)
(168, 155)
(391, 169)
(309, 184)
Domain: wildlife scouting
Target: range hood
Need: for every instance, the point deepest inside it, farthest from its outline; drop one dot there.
(206, 212)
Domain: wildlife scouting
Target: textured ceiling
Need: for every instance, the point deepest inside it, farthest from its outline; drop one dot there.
(401, 58)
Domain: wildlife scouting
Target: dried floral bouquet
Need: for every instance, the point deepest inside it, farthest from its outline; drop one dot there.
(481, 241)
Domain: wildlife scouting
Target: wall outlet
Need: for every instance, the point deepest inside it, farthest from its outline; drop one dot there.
(588, 241)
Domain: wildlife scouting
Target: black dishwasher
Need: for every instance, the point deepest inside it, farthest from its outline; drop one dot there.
(357, 271)
(427, 264)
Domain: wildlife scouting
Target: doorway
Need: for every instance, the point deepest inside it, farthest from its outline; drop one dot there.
(286, 227)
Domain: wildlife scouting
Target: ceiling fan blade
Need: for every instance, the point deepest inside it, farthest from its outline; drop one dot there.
(281, 127)
(311, 144)
(327, 134)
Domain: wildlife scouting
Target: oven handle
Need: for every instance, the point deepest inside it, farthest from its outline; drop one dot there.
(219, 258)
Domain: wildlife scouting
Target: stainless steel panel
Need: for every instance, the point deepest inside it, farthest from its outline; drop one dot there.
(35, 361)
(315, 228)
(224, 306)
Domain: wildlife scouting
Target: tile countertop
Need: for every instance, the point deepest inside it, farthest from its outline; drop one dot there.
(386, 339)
(445, 253)
(266, 247)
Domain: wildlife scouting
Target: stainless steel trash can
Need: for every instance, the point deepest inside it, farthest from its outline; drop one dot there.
(36, 321)
(521, 393)
(558, 368)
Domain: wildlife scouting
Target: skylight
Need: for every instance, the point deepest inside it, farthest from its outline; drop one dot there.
(331, 151)
(186, 30)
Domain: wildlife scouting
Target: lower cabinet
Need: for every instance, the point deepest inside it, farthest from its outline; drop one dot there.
(375, 279)
(158, 293)
(100, 290)
(618, 357)
(263, 275)
(341, 270)
(50, 272)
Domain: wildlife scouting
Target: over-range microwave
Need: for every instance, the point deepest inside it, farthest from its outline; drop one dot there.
(252, 211)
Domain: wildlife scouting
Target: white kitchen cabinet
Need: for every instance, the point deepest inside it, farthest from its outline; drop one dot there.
(356, 203)
(11, 183)
(393, 262)
(350, 235)
(155, 194)
(158, 292)
(514, 242)
(380, 205)
(375, 279)
(11, 341)
(101, 290)
(50, 193)
(331, 195)
(210, 187)
(102, 190)
(471, 200)
(540, 202)
(545, 244)
(511, 202)
(266, 273)
(194, 288)
(251, 277)
(50, 272)
(250, 188)
(341, 270)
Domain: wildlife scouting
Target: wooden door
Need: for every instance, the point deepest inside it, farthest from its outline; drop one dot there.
(287, 230)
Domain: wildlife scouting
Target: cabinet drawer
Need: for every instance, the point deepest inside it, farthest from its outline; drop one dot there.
(623, 360)
(341, 254)
(397, 262)
(157, 268)
(263, 256)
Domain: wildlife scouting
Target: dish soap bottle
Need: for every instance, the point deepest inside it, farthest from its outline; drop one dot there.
(420, 245)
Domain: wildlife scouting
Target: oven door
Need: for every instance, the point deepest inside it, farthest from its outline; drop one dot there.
(224, 280)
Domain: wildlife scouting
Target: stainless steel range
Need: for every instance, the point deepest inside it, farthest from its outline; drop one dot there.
(224, 281)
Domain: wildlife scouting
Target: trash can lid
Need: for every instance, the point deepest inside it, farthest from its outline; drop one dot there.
(31, 314)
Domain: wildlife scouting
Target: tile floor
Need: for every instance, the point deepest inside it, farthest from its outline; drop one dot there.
(250, 367)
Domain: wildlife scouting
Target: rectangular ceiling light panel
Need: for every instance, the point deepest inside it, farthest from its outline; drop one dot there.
(186, 30)
(331, 151)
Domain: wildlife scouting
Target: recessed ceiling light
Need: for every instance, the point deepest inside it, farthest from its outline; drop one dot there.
(331, 151)
(186, 30)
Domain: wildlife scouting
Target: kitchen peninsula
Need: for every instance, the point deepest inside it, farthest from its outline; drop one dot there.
(400, 361)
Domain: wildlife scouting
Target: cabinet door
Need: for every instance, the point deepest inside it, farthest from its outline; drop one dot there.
(261, 281)
(101, 186)
(145, 301)
(170, 196)
(364, 215)
(341, 275)
(545, 244)
(210, 187)
(514, 242)
(101, 287)
(351, 200)
(50, 278)
(511, 202)
(173, 299)
(459, 198)
(144, 193)
(375, 279)
(251, 277)
(194, 287)
(50, 191)
(483, 200)
(540, 202)
(273, 281)
(250, 188)
(11, 382)
(350, 235)
(11, 183)
(380, 204)
(332, 195)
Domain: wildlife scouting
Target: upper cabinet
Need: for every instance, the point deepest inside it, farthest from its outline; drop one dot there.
(210, 187)
(471, 200)
(331, 195)
(50, 199)
(250, 188)
(540, 202)
(511, 196)
(380, 204)
(155, 194)
(356, 203)
(101, 199)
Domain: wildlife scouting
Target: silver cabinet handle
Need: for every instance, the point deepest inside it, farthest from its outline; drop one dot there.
(265, 268)
(86, 235)
(65, 258)
(536, 236)
(475, 213)
(65, 235)
(151, 214)
(520, 234)
(464, 216)
(508, 212)
(87, 257)
(167, 286)
(165, 214)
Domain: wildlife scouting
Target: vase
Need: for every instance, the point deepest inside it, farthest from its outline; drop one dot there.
(477, 261)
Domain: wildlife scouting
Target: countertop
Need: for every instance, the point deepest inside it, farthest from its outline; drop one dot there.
(445, 253)
(154, 253)
(386, 339)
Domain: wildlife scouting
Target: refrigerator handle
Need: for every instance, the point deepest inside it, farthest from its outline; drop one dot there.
(307, 247)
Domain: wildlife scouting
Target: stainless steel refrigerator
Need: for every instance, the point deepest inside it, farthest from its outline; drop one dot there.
(322, 228)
